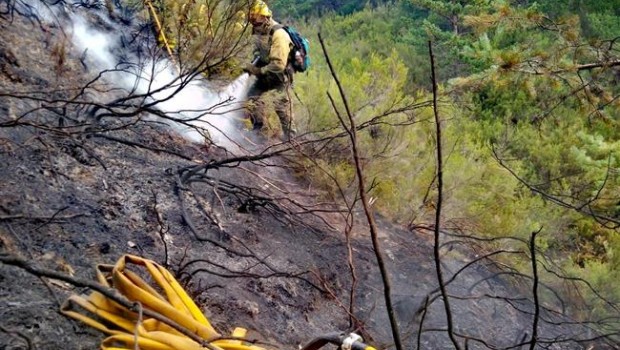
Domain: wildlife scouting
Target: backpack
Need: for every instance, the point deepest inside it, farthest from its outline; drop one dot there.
(299, 57)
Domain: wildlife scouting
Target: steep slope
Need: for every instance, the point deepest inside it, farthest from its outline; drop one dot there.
(253, 246)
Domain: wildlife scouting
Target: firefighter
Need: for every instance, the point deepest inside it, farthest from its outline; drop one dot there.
(273, 72)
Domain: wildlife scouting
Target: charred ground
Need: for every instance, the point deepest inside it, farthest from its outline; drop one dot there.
(251, 243)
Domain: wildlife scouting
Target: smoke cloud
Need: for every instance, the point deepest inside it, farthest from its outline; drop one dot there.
(203, 110)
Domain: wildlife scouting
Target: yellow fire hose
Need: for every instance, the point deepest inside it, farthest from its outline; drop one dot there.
(163, 299)
(160, 28)
(128, 329)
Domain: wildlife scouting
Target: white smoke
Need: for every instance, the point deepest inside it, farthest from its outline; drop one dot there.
(207, 112)
(37, 9)
(217, 112)
(93, 43)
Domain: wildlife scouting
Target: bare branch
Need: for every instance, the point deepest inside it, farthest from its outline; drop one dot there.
(351, 130)
(109, 293)
(534, 290)
(436, 246)
(607, 221)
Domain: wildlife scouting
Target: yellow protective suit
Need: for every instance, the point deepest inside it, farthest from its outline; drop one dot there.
(272, 48)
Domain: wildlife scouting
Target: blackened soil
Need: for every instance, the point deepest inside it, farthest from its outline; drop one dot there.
(237, 237)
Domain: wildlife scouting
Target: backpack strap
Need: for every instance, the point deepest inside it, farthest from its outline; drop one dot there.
(274, 28)
(288, 71)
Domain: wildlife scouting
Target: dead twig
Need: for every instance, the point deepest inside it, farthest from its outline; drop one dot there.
(163, 230)
(436, 246)
(19, 335)
(606, 221)
(534, 290)
(354, 322)
(29, 253)
(143, 146)
(136, 332)
(351, 131)
(55, 218)
(109, 293)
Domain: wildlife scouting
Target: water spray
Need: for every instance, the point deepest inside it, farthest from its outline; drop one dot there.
(204, 110)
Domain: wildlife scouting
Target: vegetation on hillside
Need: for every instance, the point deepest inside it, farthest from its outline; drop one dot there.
(313, 8)
(200, 36)
(529, 95)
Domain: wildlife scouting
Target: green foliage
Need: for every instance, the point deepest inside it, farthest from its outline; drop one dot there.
(558, 8)
(603, 25)
(374, 84)
(331, 176)
(588, 241)
(381, 30)
(509, 81)
(202, 34)
(516, 102)
(602, 277)
(305, 8)
(365, 69)
(512, 83)
(554, 124)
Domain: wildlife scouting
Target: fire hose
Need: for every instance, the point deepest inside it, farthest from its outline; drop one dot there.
(159, 27)
(164, 316)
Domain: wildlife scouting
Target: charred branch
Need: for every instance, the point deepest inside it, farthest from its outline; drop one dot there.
(436, 245)
(109, 293)
(351, 131)
(585, 208)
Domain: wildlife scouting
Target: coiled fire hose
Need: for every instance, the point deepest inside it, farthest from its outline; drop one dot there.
(128, 329)
(162, 299)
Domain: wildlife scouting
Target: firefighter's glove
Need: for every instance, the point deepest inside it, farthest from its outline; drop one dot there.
(252, 69)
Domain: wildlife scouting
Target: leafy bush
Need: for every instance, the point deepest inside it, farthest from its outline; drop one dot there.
(203, 35)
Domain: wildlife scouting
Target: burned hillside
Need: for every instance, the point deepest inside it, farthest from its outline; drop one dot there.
(92, 170)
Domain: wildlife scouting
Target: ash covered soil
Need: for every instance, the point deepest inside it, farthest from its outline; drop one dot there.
(254, 245)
